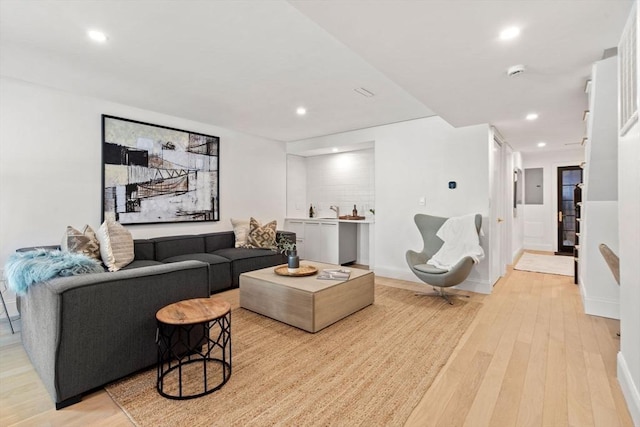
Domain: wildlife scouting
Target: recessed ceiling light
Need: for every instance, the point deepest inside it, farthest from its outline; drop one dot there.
(301, 111)
(335, 149)
(541, 144)
(509, 33)
(532, 116)
(97, 36)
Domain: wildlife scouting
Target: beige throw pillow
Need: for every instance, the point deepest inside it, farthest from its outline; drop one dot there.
(82, 242)
(261, 236)
(116, 245)
(241, 230)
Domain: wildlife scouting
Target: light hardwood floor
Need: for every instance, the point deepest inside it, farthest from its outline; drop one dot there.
(530, 358)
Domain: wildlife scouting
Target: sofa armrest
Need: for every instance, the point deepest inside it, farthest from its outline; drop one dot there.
(82, 332)
(60, 285)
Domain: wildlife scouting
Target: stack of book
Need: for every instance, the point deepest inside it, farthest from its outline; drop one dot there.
(334, 274)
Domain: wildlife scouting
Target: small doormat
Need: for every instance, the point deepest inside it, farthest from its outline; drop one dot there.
(550, 264)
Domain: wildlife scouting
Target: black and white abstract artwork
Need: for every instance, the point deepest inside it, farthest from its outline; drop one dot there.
(156, 174)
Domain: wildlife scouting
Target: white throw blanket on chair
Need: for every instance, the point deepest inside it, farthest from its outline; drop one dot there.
(460, 240)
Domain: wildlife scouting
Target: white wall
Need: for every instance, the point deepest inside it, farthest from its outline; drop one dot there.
(599, 214)
(50, 168)
(417, 159)
(629, 238)
(540, 221)
(297, 206)
(629, 246)
(343, 180)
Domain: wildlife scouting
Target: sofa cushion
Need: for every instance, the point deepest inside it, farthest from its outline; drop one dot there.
(167, 247)
(242, 253)
(116, 245)
(220, 240)
(261, 236)
(427, 268)
(144, 249)
(244, 259)
(141, 263)
(204, 257)
(219, 269)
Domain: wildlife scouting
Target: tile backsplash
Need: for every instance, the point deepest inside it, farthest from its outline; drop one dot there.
(342, 179)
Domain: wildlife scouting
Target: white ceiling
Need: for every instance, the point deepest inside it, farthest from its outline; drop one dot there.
(247, 65)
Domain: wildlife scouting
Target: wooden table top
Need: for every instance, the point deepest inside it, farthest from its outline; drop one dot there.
(191, 311)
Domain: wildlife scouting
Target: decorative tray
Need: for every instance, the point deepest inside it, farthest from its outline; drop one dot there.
(304, 270)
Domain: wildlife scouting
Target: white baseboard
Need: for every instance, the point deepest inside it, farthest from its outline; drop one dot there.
(515, 255)
(629, 389)
(395, 273)
(599, 306)
(538, 247)
(477, 286)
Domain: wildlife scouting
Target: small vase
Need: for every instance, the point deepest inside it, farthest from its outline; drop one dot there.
(293, 262)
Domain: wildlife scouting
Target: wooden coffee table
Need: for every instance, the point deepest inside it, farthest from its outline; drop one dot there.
(306, 302)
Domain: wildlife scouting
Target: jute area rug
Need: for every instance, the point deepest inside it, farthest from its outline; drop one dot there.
(551, 264)
(371, 368)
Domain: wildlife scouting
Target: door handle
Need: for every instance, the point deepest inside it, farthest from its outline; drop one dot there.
(500, 219)
(559, 216)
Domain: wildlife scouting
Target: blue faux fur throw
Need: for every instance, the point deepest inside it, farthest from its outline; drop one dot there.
(26, 268)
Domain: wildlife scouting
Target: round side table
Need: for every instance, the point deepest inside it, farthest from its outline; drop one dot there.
(194, 339)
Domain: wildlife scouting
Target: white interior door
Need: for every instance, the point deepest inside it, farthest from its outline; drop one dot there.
(497, 228)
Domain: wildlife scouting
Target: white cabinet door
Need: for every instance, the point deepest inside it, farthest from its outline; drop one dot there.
(321, 241)
(329, 243)
(313, 235)
(295, 226)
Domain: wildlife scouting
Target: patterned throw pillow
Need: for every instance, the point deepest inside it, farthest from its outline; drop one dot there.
(116, 245)
(241, 230)
(261, 236)
(82, 242)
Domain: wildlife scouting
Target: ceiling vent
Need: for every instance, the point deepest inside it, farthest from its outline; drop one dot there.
(515, 70)
(364, 92)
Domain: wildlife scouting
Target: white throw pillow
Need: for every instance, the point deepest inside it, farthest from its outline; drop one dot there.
(116, 245)
(241, 230)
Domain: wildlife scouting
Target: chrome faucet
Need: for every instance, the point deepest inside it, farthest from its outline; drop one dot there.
(336, 209)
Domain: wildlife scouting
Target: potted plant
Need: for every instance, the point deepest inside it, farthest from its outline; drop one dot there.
(287, 247)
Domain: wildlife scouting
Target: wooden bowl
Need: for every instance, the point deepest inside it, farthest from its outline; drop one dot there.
(304, 270)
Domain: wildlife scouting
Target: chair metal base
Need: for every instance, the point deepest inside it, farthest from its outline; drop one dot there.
(6, 312)
(439, 292)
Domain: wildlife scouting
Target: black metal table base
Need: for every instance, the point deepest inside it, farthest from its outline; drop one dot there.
(182, 346)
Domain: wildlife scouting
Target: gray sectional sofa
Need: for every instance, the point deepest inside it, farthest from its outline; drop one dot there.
(82, 332)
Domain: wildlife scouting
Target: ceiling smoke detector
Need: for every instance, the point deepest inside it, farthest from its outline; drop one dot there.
(515, 70)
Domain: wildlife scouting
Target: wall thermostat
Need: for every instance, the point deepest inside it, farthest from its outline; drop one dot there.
(452, 184)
